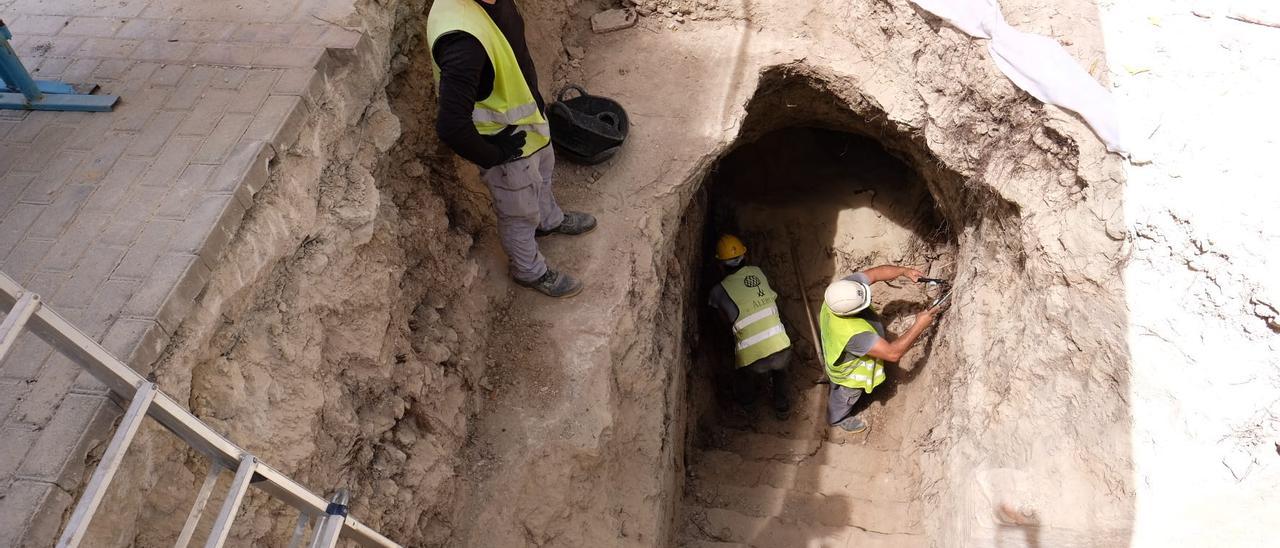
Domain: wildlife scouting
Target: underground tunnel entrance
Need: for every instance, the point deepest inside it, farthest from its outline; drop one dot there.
(812, 205)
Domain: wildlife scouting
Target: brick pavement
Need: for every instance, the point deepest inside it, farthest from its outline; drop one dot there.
(117, 219)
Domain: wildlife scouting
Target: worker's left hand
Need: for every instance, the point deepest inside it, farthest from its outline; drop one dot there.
(912, 274)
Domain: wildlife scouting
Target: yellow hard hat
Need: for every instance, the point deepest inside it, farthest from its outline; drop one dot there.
(730, 247)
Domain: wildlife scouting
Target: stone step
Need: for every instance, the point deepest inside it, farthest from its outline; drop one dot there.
(849, 456)
(828, 509)
(809, 476)
(777, 532)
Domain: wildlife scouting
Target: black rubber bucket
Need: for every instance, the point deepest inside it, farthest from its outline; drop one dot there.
(587, 129)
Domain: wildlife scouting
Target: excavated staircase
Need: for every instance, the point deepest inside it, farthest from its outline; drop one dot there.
(753, 481)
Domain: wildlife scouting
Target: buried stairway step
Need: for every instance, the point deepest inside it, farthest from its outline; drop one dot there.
(838, 509)
(808, 476)
(776, 532)
(753, 445)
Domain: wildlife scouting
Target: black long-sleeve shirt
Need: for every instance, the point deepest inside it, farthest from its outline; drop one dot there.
(466, 76)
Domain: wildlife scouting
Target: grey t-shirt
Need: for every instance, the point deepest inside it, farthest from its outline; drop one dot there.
(861, 343)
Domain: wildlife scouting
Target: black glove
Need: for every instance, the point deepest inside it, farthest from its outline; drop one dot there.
(510, 143)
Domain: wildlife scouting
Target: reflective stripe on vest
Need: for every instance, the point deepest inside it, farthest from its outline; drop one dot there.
(860, 372)
(511, 103)
(758, 328)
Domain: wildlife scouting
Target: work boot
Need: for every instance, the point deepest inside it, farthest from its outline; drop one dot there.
(852, 425)
(555, 284)
(574, 223)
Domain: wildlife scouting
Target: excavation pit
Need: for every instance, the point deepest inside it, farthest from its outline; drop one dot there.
(812, 205)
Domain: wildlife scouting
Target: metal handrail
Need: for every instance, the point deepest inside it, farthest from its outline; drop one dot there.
(26, 310)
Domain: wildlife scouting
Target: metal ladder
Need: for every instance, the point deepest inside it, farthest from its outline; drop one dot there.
(25, 310)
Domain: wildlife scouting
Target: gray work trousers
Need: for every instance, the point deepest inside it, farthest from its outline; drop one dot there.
(521, 191)
(840, 401)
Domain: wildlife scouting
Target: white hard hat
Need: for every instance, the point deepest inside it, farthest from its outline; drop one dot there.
(847, 297)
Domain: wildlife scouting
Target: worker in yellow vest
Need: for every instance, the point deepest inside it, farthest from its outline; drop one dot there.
(492, 114)
(854, 345)
(748, 304)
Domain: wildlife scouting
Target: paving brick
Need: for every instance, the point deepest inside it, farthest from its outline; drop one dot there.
(80, 71)
(254, 91)
(58, 215)
(49, 181)
(114, 188)
(155, 29)
(173, 158)
(137, 77)
(298, 81)
(102, 158)
(108, 300)
(5, 127)
(10, 154)
(270, 33)
(204, 31)
(25, 359)
(46, 393)
(246, 165)
(56, 46)
(207, 112)
(278, 121)
(112, 69)
(155, 133)
(341, 38)
(80, 423)
(38, 24)
(138, 341)
(185, 193)
(51, 67)
(18, 521)
(224, 54)
(11, 392)
(125, 229)
(230, 77)
(209, 228)
(103, 27)
(45, 283)
(89, 132)
(224, 136)
(288, 57)
(161, 50)
(144, 252)
(133, 111)
(13, 228)
(20, 264)
(191, 88)
(12, 186)
(82, 287)
(168, 75)
(170, 291)
(106, 48)
(31, 126)
(18, 439)
(46, 146)
(309, 35)
(67, 251)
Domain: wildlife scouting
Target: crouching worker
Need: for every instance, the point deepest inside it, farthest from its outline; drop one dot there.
(749, 305)
(854, 346)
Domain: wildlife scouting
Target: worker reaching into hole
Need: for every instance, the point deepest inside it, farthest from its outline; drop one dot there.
(854, 345)
(748, 304)
(492, 114)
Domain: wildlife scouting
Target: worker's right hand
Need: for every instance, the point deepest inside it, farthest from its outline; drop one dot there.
(510, 143)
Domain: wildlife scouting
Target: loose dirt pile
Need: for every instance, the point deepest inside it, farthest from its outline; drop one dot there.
(360, 330)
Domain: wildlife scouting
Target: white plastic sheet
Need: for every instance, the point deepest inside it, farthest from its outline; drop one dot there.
(1036, 64)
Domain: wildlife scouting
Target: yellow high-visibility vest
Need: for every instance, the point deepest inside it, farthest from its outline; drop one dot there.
(758, 329)
(511, 103)
(862, 372)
